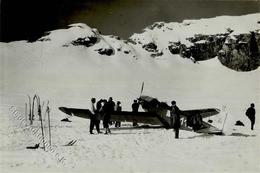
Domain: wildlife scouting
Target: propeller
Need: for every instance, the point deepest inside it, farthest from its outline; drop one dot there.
(142, 88)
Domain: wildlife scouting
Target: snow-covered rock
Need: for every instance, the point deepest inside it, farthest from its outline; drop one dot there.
(193, 39)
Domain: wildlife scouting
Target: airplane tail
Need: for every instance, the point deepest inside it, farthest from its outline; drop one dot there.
(208, 128)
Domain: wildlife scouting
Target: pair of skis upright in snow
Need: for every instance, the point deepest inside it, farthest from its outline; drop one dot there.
(31, 115)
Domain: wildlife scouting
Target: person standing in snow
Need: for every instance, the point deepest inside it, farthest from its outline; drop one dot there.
(250, 113)
(175, 114)
(99, 105)
(93, 117)
(109, 107)
(103, 111)
(99, 113)
(118, 109)
(135, 107)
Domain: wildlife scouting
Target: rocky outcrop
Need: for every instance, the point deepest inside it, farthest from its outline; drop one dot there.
(157, 54)
(103, 51)
(150, 47)
(206, 46)
(158, 25)
(153, 49)
(238, 52)
(86, 41)
(241, 52)
(203, 46)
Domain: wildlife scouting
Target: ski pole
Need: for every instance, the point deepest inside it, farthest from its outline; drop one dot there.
(25, 114)
(30, 110)
(49, 122)
(34, 98)
(40, 117)
(42, 134)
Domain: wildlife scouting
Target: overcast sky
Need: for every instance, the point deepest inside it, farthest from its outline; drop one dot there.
(28, 19)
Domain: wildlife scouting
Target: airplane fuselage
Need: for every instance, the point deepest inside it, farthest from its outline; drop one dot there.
(192, 121)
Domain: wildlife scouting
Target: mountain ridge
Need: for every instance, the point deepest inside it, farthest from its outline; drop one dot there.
(234, 40)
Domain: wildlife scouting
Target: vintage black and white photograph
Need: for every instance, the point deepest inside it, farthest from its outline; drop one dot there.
(130, 86)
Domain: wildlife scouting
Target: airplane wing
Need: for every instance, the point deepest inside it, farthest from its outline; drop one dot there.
(204, 113)
(83, 113)
(139, 117)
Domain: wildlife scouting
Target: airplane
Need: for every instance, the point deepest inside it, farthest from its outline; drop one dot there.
(156, 114)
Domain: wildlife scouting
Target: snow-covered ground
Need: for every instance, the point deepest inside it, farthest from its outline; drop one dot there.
(71, 75)
(127, 150)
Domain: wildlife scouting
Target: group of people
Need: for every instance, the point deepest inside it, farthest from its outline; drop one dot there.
(103, 108)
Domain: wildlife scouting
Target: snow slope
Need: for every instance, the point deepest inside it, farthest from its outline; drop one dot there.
(162, 33)
(69, 75)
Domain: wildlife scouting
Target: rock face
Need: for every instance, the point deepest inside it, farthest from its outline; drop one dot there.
(241, 52)
(238, 52)
(204, 46)
(150, 47)
(86, 41)
(103, 51)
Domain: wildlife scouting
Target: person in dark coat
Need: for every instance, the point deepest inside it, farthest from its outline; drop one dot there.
(99, 113)
(118, 109)
(109, 107)
(99, 105)
(135, 107)
(250, 113)
(106, 118)
(175, 115)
